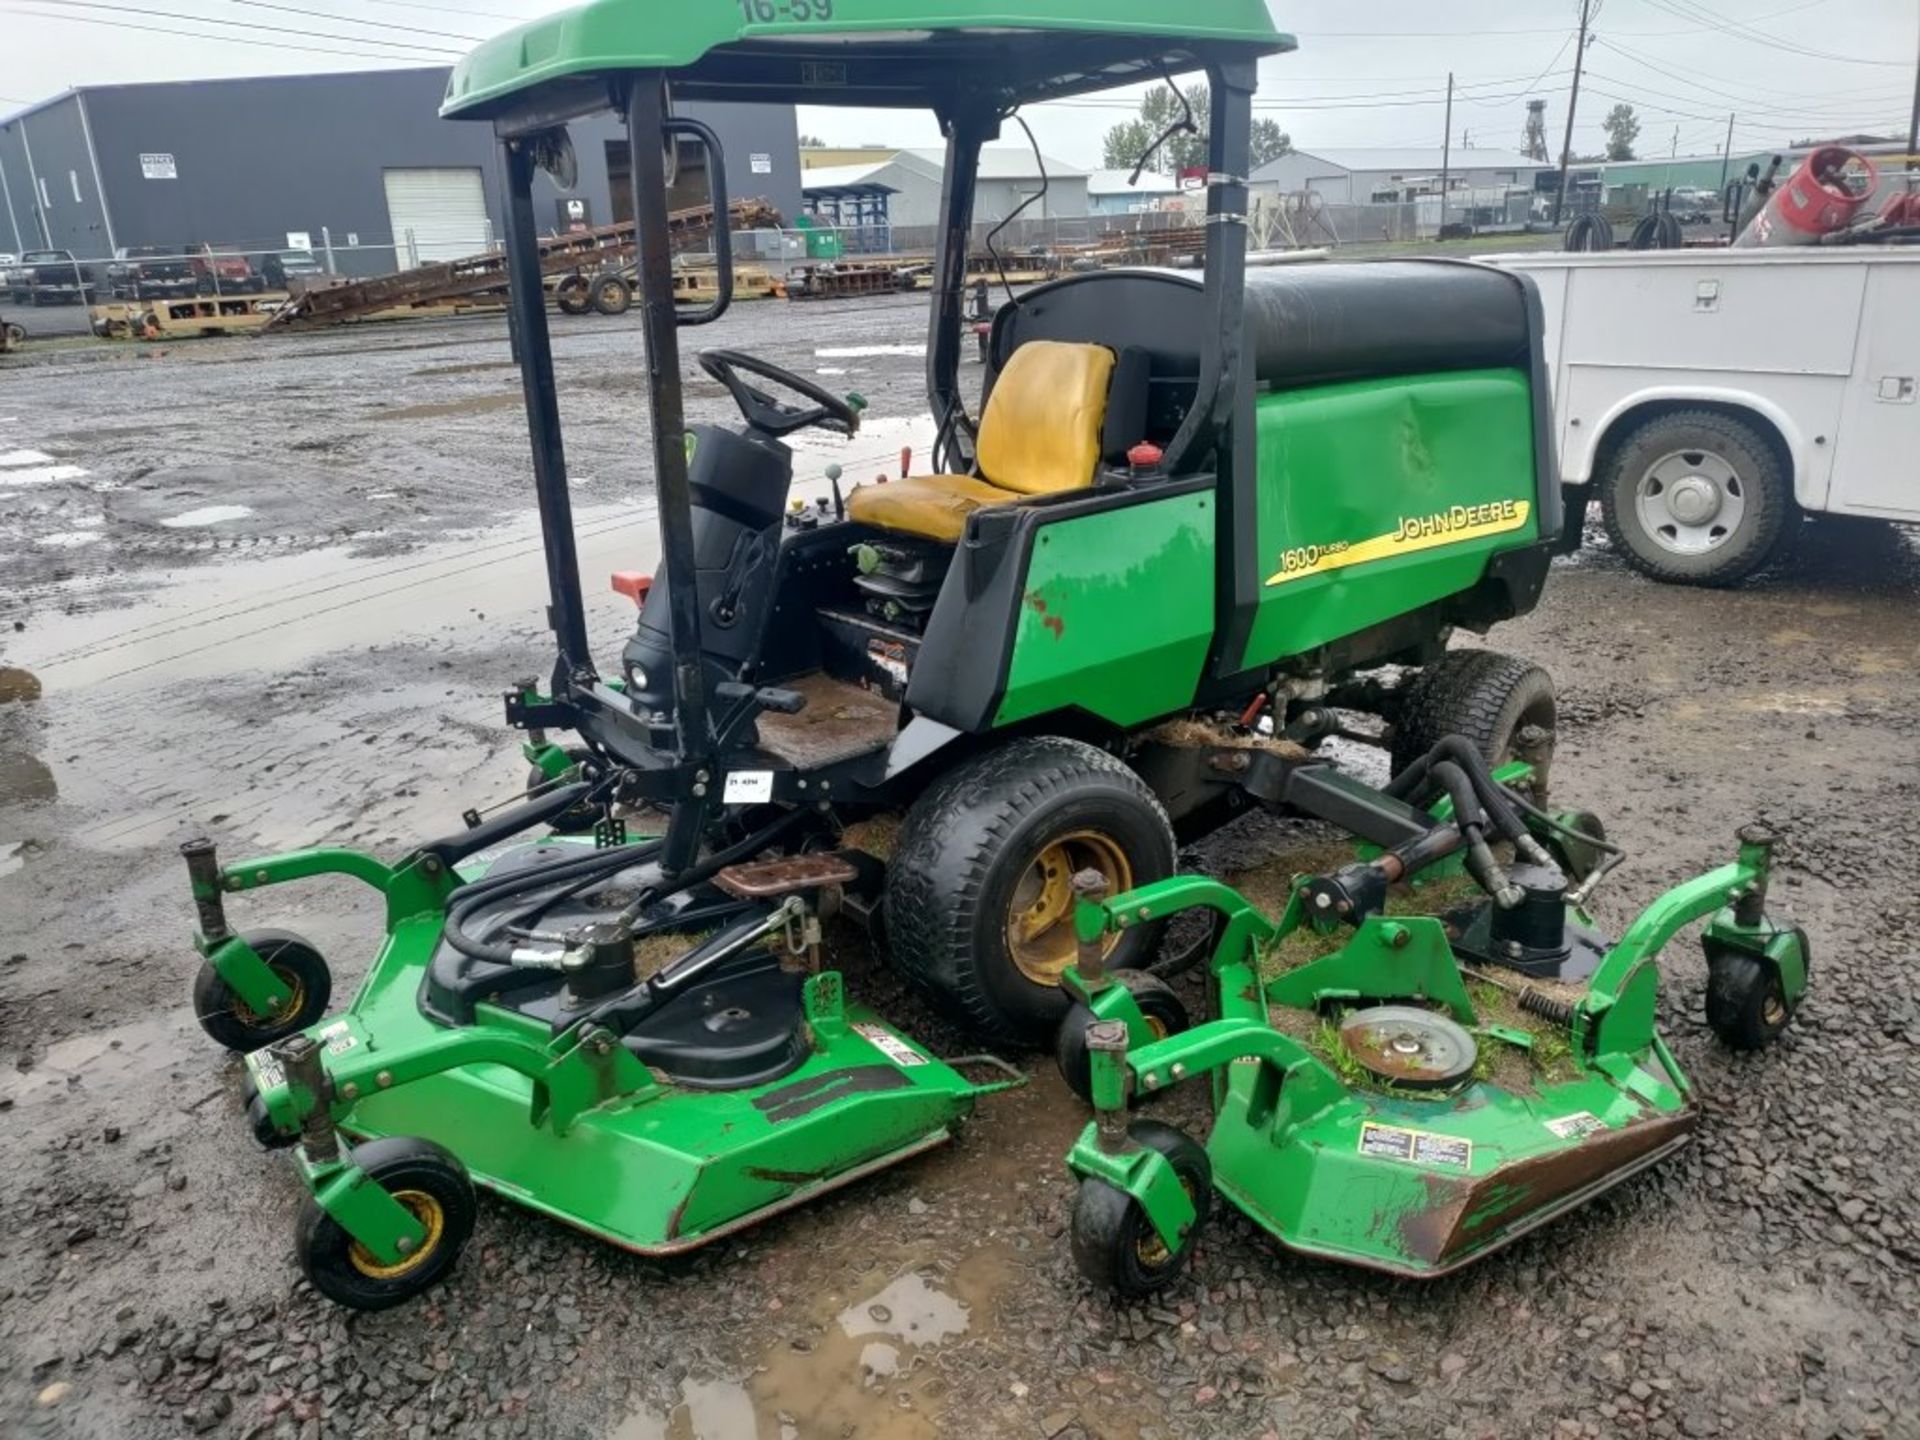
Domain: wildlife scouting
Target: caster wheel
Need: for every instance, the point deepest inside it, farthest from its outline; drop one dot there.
(1747, 1006)
(1113, 1243)
(258, 1120)
(226, 1018)
(430, 1183)
(1164, 1014)
(581, 819)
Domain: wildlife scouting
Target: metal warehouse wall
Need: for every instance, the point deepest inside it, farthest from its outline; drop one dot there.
(259, 158)
(48, 192)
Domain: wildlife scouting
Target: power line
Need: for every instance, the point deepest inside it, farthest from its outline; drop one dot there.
(1757, 108)
(1739, 30)
(111, 24)
(1550, 30)
(351, 20)
(303, 34)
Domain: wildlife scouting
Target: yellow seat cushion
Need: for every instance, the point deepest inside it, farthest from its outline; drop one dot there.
(1041, 430)
(935, 507)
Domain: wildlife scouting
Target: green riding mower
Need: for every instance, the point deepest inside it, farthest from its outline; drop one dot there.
(1402, 1091)
(1198, 523)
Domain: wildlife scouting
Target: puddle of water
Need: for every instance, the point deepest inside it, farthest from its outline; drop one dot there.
(854, 352)
(24, 457)
(39, 475)
(106, 1060)
(18, 684)
(25, 778)
(69, 539)
(13, 857)
(865, 1373)
(441, 409)
(829, 370)
(207, 515)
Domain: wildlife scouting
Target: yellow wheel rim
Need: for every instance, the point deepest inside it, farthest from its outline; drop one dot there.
(296, 997)
(1040, 919)
(1148, 1247)
(432, 1218)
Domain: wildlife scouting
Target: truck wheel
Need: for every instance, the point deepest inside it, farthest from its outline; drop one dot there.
(611, 295)
(1482, 695)
(1697, 498)
(978, 902)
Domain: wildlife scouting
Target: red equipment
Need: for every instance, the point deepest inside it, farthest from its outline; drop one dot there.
(1821, 196)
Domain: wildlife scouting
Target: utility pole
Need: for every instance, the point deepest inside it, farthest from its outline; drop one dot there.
(1573, 102)
(1726, 155)
(1446, 157)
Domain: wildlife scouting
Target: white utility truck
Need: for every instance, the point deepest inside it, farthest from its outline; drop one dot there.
(1708, 398)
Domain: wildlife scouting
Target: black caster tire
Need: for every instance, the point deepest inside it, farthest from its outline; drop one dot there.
(1481, 695)
(430, 1183)
(1160, 1007)
(258, 1121)
(1747, 1006)
(1113, 1244)
(230, 1023)
(579, 820)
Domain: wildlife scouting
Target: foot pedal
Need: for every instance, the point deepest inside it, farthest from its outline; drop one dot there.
(769, 879)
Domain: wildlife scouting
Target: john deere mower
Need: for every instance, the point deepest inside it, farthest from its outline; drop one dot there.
(1188, 505)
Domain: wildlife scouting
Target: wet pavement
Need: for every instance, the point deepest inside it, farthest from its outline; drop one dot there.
(278, 604)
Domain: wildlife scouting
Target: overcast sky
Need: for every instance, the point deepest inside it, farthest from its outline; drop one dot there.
(1365, 74)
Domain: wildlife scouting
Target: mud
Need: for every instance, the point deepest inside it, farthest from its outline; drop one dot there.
(327, 667)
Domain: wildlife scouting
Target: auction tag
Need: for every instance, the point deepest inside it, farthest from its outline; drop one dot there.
(267, 1074)
(1422, 1147)
(1570, 1127)
(891, 1045)
(338, 1038)
(747, 787)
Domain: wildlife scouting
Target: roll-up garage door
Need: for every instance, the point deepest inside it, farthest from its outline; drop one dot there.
(445, 209)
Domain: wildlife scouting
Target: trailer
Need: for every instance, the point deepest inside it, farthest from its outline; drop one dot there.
(1709, 398)
(584, 270)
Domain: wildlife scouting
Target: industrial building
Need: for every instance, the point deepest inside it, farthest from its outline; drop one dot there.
(901, 187)
(1116, 192)
(1394, 175)
(358, 164)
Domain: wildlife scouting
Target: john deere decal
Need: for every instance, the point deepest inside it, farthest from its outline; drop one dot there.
(1409, 533)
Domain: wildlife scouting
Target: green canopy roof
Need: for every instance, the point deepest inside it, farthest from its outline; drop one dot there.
(918, 53)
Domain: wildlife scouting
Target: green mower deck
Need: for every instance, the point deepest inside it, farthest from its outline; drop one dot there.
(1572, 1089)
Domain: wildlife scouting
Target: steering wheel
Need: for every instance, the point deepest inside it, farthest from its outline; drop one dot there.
(840, 413)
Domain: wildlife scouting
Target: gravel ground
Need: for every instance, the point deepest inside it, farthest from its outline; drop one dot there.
(327, 666)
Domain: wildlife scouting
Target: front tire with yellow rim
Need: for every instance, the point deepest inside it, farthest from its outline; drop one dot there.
(430, 1183)
(1115, 1245)
(979, 903)
(228, 1020)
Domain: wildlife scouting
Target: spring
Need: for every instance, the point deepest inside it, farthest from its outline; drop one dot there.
(1545, 1006)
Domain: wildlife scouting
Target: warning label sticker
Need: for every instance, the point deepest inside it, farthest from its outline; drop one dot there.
(1421, 1147)
(891, 1045)
(1570, 1127)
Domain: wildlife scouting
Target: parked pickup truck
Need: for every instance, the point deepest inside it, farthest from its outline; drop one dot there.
(51, 277)
(224, 272)
(148, 272)
(1708, 398)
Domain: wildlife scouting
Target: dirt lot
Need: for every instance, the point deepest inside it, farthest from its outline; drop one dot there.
(271, 591)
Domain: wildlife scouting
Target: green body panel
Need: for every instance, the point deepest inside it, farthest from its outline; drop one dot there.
(1116, 613)
(579, 1129)
(1411, 1183)
(1345, 468)
(613, 35)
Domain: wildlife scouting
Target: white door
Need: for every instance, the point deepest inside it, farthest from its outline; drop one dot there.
(438, 214)
(1876, 462)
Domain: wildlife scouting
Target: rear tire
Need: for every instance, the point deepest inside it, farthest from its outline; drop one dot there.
(1481, 695)
(982, 859)
(1697, 498)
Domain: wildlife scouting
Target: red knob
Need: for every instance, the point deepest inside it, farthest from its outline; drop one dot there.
(1145, 455)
